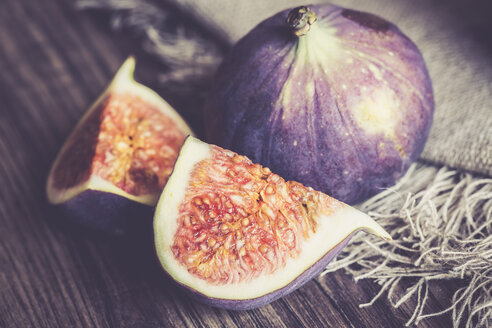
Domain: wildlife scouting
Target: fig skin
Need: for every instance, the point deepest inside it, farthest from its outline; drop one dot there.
(344, 109)
(107, 212)
(239, 305)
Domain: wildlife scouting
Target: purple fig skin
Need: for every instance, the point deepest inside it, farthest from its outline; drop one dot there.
(254, 303)
(106, 212)
(313, 133)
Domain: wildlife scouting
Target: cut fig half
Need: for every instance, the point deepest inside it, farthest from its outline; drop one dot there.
(115, 163)
(237, 236)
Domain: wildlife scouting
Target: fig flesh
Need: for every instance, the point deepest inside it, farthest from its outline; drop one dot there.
(336, 99)
(237, 236)
(114, 165)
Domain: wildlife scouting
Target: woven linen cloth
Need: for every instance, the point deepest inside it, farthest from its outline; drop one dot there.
(455, 40)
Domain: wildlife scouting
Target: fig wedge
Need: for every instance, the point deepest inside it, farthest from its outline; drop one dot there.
(115, 163)
(237, 236)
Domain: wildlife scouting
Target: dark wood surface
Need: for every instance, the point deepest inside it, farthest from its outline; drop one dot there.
(54, 60)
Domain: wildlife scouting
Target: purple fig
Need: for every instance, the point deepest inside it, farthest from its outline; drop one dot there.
(114, 165)
(337, 99)
(237, 236)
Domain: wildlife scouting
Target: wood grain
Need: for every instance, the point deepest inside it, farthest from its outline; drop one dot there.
(53, 62)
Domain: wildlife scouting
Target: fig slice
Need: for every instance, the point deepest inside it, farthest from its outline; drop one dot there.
(237, 236)
(113, 166)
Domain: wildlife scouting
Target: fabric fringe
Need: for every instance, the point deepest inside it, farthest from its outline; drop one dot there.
(441, 223)
(440, 219)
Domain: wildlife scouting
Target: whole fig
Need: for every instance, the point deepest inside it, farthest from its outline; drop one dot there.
(337, 99)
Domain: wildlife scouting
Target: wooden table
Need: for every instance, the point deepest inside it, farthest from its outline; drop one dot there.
(54, 60)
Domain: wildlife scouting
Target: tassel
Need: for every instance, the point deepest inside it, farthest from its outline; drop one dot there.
(441, 223)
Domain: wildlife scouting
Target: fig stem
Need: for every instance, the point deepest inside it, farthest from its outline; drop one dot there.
(300, 20)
